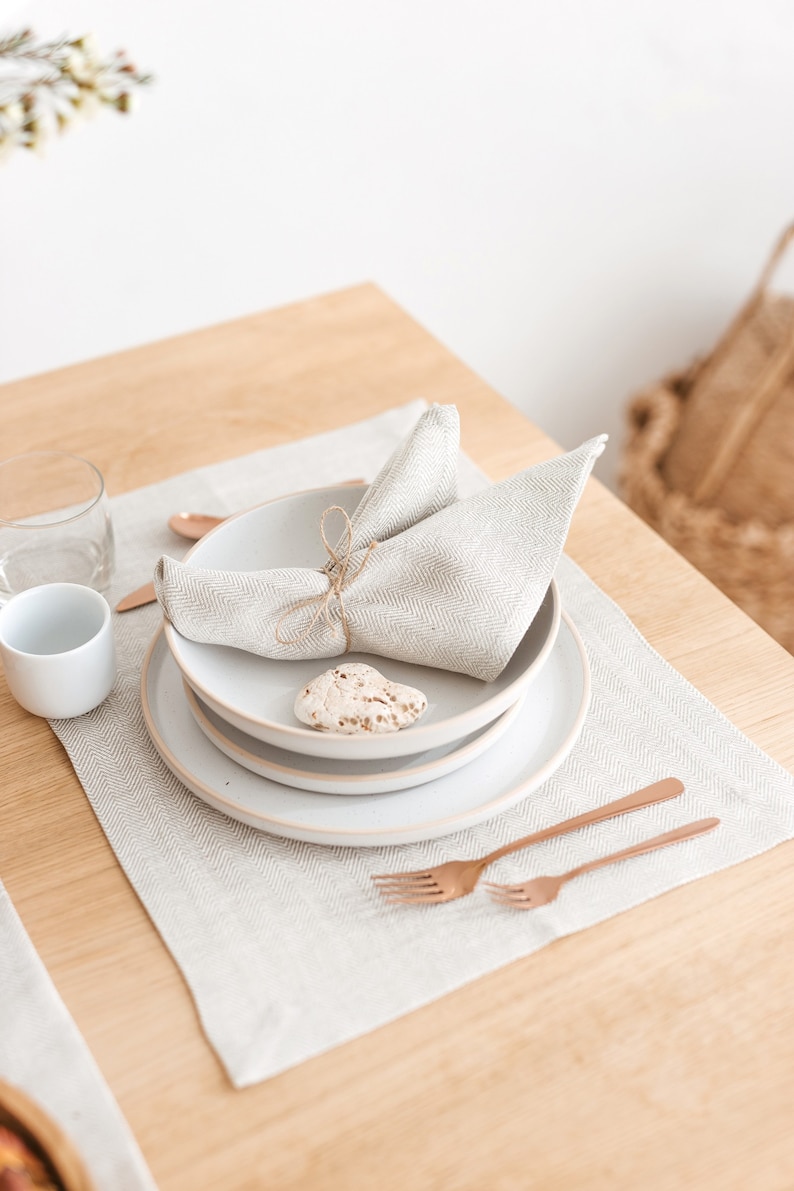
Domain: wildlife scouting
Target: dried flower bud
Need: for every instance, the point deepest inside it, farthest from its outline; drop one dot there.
(37, 138)
(12, 117)
(57, 80)
(86, 103)
(88, 45)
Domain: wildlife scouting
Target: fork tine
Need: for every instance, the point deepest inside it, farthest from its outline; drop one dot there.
(415, 883)
(513, 898)
(405, 880)
(426, 876)
(493, 886)
(407, 886)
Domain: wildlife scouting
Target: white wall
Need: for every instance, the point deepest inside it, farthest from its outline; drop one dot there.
(572, 196)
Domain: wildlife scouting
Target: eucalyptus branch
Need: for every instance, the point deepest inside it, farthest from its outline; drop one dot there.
(46, 85)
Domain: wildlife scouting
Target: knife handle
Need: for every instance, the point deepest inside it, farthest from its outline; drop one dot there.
(668, 787)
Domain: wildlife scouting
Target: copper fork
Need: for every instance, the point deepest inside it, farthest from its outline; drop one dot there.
(456, 878)
(539, 891)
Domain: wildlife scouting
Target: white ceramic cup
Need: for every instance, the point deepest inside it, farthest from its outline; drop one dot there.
(56, 643)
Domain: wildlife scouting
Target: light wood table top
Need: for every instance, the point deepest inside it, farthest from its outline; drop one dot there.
(653, 1051)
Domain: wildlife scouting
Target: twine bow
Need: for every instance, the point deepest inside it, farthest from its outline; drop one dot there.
(339, 578)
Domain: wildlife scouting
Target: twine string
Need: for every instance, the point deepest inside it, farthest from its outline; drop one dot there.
(340, 576)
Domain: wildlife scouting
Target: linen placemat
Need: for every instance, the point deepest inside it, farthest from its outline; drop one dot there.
(286, 947)
(43, 1053)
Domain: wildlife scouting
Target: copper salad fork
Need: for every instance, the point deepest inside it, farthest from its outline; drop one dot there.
(456, 878)
(539, 891)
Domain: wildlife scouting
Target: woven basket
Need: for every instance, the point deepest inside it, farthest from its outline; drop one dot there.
(709, 460)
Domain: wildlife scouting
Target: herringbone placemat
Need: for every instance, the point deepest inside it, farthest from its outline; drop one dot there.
(287, 949)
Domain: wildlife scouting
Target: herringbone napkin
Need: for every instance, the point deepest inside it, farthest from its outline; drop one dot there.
(43, 1053)
(419, 479)
(424, 578)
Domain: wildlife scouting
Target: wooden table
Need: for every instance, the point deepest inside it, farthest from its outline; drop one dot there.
(653, 1051)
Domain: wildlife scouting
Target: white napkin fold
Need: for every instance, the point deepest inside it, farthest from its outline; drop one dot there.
(452, 584)
(419, 479)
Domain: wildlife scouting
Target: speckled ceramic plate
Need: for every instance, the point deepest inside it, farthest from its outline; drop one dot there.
(325, 776)
(542, 734)
(256, 694)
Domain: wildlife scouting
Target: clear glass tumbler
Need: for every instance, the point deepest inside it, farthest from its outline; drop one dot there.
(55, 523)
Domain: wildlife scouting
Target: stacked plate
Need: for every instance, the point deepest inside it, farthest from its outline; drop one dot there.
(223, 719)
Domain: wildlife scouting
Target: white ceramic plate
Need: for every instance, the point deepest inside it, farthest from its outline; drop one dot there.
(324, 776)
(257, 694)
(534, 746)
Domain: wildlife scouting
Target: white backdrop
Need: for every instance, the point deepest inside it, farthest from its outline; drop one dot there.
(573, 197)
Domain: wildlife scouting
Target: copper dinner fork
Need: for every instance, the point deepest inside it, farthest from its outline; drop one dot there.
(456, 878)
(539, 891)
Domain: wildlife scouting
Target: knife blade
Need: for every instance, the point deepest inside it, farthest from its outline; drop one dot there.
(136, 599)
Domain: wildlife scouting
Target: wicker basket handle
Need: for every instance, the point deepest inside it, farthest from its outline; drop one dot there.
(768, 384)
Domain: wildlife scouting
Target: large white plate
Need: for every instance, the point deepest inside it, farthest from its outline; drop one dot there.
(536, 744)
(257, 694)
(325, 776)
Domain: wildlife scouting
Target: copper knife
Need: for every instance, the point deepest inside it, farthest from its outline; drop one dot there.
(136, 599)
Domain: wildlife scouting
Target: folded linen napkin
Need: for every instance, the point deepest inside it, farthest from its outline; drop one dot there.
(420, 478)
(417, 576)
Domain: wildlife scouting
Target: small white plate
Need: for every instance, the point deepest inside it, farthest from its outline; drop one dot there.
(257, 694)
(538, 741)
(324, 776)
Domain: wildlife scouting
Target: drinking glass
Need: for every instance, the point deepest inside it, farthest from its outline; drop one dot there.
(55, 523)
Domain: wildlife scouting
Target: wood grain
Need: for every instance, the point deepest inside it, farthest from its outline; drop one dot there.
(654, 1051)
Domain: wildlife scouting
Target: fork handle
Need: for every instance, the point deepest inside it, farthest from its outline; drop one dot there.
(649, 845)
(669, 787)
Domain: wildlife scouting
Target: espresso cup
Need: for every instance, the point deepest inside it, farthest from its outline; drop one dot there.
(57, 648)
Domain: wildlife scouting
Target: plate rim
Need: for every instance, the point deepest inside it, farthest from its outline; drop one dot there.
(497, 726)
(215, 799)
